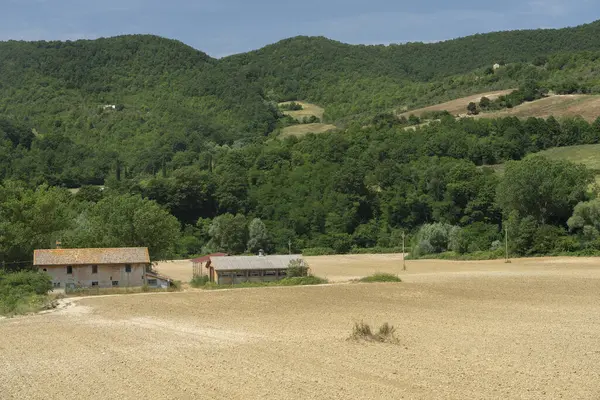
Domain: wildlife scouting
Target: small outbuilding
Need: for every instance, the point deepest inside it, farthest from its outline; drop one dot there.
(240, 269)
(82, 268)
(198, 264)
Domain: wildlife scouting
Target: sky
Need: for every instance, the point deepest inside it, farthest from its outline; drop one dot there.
(224, 27)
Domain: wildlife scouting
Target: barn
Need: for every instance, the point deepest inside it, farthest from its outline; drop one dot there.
(198, 264)
(79, 268)
(239, 269)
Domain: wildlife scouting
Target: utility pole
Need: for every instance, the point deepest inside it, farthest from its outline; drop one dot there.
(403, 252)
(506, 244)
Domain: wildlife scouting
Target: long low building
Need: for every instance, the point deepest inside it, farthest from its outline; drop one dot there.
(76, 268)
(239, 269)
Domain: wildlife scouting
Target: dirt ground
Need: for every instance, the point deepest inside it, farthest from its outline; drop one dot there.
(457, 106)
(480, 330)
(568, 105)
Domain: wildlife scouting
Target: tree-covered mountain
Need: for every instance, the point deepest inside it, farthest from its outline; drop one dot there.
(352, 79)
(165, 127)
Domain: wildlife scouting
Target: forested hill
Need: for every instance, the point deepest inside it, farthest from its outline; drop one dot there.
(166, 95)
(353, 79)
(140, 104)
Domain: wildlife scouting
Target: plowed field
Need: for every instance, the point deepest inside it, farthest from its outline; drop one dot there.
(481, 330)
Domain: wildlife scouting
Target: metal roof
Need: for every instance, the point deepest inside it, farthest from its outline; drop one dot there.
(207, 257)
(253, 262)
(124, 255)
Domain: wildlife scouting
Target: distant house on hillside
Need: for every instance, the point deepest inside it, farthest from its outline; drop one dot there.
(74, 268)
(239, 269)
(496, 66)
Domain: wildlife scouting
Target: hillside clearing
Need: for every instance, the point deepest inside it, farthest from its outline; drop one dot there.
(308, 110)
(586, 154)
(458, 106)
(464, 330)
(571, 105)
(303, 129)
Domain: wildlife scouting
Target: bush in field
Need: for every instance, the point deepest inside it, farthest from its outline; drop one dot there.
(318, 251)
(24, 291)
(199, 281)
(385, 334)
(297, 268)
(435, 238)
(380, 278)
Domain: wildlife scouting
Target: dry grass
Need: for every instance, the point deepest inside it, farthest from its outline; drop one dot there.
(468, 330)
(587, 106)
(303, 129)
(308, 110)
(458, 106)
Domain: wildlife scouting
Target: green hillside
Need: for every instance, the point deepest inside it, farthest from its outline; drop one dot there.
(142, 119)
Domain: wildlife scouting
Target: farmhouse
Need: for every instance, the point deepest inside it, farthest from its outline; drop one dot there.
(261, 268)
(74, 268)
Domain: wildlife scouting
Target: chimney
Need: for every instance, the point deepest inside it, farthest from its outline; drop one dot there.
(261, 253)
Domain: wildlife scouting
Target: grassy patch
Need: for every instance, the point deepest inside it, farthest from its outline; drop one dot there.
(363, 332)
(24, 292)
(380, 278)
(296, 281)
(304, 129)
(308, 110)
(79, 292)
(199, 281)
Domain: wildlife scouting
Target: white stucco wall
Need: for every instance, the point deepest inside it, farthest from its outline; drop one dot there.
(82, 275)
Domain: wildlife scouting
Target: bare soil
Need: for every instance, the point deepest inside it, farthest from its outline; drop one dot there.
(466, 330)
(571, 105)
(457, 106)
(304, 129)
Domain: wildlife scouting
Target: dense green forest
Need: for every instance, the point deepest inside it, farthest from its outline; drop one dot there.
(172, 149)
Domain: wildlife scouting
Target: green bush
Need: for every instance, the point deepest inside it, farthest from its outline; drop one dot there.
(297, 268)
(380, 277)
(318, 251)
(377, 250)
(24, 291)
(199, 281)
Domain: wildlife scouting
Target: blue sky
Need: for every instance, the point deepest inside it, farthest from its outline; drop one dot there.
(222, 27)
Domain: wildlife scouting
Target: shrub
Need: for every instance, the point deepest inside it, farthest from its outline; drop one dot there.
(23, 292)
(199, 281)
(380, 277)
(385, 334)
(297, 268)
(377, 250)
(175, 286)
(318, 251)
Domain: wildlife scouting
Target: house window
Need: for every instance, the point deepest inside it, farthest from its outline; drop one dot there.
(254, 273)
(240, 274)
(69, 270)
(270, 273)
(128, 268)
(95, 283)
(152, 282)
(115, 283)
(94, 269)
(56, 284)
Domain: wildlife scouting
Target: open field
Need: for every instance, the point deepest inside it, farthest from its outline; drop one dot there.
(308, 110)
(467, 330)
(587, 154)
(571, 105)
(303, 129)
(458, 106)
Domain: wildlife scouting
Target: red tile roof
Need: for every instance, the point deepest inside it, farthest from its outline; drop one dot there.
(124, 255)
